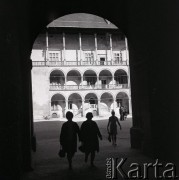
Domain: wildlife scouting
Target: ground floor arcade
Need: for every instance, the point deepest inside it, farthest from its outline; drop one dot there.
(99, 104)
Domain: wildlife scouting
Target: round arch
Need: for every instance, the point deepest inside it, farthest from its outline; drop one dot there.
(58, 105)
(57, 78)
(106, 102)
(105, 69)
(91, 95)
(121, 77)
(91, 103)
(74, 69)
(90, 69)
(105, 78)
(122, 99)
(75, 104)
(57, 69)
(89, 78)
(73, 78)
(62, 94)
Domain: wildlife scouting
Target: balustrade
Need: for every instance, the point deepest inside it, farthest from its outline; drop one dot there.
(78, 63)
(87, 87)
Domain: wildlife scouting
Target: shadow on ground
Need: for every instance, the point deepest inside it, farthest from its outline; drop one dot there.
(48, 166)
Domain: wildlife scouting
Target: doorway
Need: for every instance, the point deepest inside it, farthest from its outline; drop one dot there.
(102, 61)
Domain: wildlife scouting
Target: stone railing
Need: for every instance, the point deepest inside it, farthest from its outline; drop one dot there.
(77, 63)
(57, 87)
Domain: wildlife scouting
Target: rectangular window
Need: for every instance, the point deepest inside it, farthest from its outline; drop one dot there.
(54, 56)
(118, 57)
(89, 57)
(102, 60)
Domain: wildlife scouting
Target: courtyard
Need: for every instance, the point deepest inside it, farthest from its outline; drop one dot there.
(48, 166)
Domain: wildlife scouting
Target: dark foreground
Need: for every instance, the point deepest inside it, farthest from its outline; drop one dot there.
(48, 166)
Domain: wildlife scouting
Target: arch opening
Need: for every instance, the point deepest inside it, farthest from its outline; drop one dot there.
(58, 106)
(74, 80)
(121, 78)
(91, 103)
(106, 103)
(87, 89)
(122, 99)
(75, 104)
(105, 79)
(57, 80)
(90, 79)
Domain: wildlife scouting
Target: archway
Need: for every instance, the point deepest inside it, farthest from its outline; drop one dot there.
(122, 99)
(102, 48)
(105, 79)
(106, 103)
(91, 103)
(57, 79)
(58, 106)
(89, 79)
(73, 79)
(121, 78)
(75, 104)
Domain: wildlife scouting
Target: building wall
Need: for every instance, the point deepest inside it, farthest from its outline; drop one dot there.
(42, 92)
(55, 42)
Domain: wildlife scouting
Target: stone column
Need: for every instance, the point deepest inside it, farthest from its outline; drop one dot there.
(113, 81)
(82, 81)
(97, 81)
(47, 52)
(83, 110)
(98, 110)
(114, 105)
(111, 51)
(65, 82)
(80, 46)
(66, 106)
(96, 47)
(127, 51)
(64, 53)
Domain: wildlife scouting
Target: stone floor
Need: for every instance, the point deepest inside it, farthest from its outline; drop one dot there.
(48, 166)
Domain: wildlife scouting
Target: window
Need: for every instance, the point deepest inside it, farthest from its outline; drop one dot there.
(54, 56)
(102, 60)
(117, 57)
(89, 57)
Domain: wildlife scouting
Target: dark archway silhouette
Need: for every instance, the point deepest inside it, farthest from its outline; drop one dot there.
(150, 53)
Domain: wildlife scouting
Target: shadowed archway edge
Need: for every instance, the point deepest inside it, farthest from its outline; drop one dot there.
(152, 31)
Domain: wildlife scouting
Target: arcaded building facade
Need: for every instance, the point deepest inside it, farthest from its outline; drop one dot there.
(80, 64)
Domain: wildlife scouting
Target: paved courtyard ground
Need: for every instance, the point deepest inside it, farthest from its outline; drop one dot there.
(48, 166)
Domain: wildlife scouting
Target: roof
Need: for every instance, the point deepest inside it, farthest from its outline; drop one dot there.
(82, 20)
